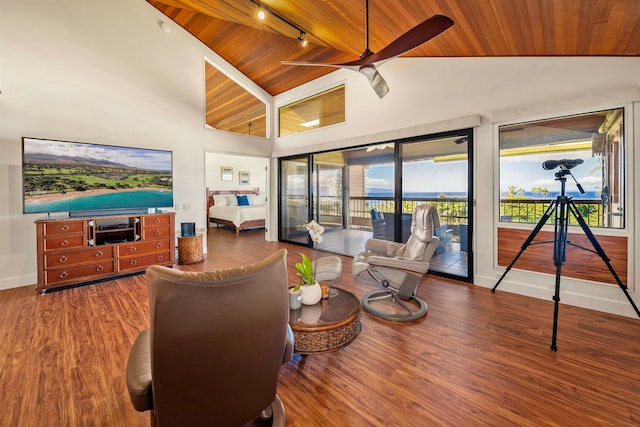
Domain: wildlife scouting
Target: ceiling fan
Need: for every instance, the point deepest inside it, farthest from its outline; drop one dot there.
(368, 62)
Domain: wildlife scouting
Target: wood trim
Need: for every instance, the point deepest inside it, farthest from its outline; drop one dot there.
(580, 264)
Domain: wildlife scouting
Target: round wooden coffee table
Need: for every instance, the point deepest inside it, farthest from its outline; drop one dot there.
(328, 325)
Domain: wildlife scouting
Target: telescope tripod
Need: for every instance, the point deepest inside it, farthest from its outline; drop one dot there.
(561, 207)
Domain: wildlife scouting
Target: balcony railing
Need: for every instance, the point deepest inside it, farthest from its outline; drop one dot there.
(452, 210)
(531, 210)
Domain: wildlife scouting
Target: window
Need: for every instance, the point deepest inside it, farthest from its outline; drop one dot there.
(323, 109)
(230, 107)
(594, 140)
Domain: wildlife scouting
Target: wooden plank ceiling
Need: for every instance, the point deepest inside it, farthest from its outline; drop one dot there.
(335, 30)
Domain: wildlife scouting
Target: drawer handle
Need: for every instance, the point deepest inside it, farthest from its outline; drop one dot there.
(99, 268)
(132, 249)
(160, 258)
(157, 220)
(133, 262)
(65, 228)
(159, 245)
(63, 275)
(99, 253)
(64, 243)
(63, 258)
(157, 233)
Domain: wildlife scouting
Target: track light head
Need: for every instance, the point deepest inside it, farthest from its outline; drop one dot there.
(303, 42)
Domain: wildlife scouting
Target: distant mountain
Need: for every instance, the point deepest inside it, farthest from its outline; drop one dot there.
(70, 161)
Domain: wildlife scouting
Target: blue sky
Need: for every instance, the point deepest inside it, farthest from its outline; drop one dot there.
(425, 176)
(526, 172)
(451, 177)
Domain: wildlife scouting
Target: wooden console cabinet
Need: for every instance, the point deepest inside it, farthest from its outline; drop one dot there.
(77, 250)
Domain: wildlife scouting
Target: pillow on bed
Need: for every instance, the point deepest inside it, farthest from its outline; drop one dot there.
(255, 199)
(242, 200)
(220, 200)
(232, 200)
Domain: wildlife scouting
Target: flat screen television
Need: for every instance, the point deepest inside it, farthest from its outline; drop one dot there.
(77, 177)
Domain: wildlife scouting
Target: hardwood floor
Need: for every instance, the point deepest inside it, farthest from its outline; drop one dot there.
(476, 359)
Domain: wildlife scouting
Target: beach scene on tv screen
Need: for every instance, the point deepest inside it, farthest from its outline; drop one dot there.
(68, 176)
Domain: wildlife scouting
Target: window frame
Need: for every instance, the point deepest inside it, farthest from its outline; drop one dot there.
(628, 162)
(307, 96)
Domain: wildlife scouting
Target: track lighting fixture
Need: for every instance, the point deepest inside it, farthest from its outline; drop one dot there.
(262, 15)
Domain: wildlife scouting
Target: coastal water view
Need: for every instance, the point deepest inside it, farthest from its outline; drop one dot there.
(130, 199)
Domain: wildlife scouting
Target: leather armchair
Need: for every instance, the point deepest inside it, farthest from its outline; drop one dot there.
(399, 267)
(213, 352)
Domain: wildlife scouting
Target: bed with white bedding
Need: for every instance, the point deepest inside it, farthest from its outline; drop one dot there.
(240, 209)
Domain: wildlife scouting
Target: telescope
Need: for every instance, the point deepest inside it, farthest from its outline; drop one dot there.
(565, 164)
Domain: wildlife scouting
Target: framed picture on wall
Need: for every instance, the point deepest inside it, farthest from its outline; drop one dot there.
(227, 173)
(243, 177)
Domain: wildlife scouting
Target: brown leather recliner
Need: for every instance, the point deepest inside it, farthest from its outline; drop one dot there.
(217, 339)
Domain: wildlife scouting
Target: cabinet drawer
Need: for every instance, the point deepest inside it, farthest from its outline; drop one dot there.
(138, 262)
(66, 242)
(78, 257)
(155, 232)
(143, 248)
(86, 272)
(63, 227)
(155, 220)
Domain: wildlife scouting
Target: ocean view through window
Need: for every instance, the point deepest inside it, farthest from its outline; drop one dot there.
(595, 138)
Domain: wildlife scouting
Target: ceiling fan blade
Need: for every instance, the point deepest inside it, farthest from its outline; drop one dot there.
(413, 38)
(378, 84)
(320, 64)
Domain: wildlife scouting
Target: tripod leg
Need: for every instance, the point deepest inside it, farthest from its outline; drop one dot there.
(601, 253)
(525, 245)
(556, 301)
(559, 256)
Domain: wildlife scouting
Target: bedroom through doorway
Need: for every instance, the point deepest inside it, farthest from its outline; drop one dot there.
(236, 188)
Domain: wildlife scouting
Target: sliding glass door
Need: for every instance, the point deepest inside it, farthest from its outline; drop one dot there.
(294, 199)
(364, 192)
(436, 170)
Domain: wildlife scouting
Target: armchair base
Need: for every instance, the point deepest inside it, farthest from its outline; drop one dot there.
(411, 308)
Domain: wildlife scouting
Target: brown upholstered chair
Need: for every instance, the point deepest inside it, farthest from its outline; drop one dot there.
(213, 353)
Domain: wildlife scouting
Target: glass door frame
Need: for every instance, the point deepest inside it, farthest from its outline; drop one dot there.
(467, 133)
(282, 205)
(398, 196)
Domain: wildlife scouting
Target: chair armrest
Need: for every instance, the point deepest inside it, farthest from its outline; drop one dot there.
(288, 346)
(381, 246)
(399, 263)
(139, 373)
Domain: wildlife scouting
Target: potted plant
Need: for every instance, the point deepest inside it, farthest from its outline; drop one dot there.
(311, 290)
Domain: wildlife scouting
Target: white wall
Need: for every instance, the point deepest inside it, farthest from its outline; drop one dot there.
(103, 72)
(254, 165)
(429, 95)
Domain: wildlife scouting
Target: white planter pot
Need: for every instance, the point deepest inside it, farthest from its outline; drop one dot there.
(311, 294)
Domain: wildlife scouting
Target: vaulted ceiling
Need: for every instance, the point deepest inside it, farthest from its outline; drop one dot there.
(335, 30)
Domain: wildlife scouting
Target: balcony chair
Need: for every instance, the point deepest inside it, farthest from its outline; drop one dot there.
(378, 224)
(399, 268)
(213, 352)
